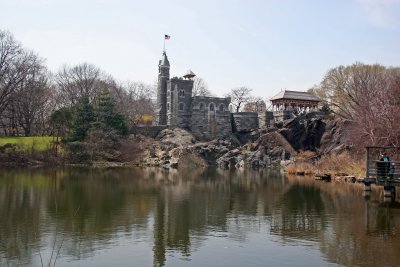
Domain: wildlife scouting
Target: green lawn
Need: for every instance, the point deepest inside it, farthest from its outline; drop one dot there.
(38, 143)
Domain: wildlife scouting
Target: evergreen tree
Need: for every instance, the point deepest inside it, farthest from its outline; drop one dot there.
(83, 119)
(108, 118)
(60, 120)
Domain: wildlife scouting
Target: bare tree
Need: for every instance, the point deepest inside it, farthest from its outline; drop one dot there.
(30, 102)
(22, 75)
(134, 100)
(239, 96)
(367, 96)
(140, 98)
(74, 82)
(344, 86)
(200, 88)
(15, 64)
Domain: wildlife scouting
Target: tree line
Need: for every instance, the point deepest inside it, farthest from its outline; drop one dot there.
(30, 94)
(34, 101)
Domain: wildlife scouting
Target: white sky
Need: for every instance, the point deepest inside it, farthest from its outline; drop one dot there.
(265, 45)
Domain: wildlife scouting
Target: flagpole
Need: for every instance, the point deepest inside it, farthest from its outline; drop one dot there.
(164, 43)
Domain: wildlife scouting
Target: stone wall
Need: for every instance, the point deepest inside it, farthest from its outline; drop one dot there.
(210, 117)
(265, 119)
(244, 121)
(150, 131)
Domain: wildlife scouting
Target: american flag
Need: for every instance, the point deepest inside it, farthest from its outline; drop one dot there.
(167, 37)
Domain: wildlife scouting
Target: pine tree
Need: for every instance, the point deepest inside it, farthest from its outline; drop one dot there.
(83, 119)
(107, 116)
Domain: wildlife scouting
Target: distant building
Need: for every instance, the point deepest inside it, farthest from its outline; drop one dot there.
(256, 106)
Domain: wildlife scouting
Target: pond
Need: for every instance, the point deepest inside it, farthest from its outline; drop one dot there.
(151, 217)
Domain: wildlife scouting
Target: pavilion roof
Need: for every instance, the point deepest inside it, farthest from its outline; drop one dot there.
(295, 95)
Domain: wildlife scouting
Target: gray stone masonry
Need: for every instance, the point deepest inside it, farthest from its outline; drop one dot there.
(163, 77)
(266, 119)
(210, 117)
(179, 100)
(245, 121)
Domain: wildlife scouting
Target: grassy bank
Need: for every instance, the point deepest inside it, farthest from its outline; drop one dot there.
(35, 150)
(27, 144)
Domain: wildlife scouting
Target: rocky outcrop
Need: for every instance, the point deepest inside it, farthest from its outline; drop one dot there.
(303, 132)
(334, 138)
(269, 149)
(175, 148)
(314, 132)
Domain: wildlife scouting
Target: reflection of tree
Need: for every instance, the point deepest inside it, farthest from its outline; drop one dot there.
(358, 233)
(22, 194)
(92, 205)
(301, 212)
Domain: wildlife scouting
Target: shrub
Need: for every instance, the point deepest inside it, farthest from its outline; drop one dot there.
(77, 152)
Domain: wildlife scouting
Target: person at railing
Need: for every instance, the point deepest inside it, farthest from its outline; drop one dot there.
(384, 157)
(383, 166)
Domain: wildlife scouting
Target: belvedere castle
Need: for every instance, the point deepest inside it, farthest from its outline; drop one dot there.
(207, 117)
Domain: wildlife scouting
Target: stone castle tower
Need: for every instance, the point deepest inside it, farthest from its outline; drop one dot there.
(163, 77)
(179, 101)
(206, 117)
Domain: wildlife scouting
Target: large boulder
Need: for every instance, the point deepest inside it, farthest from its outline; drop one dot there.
(176, 137)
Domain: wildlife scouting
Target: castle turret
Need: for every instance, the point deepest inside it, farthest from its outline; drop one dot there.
(163, 77)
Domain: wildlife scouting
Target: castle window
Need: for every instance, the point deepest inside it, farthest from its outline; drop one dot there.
(221, 107)
(181, 106)
(167, 106)
(212, 108)
(201, 106)
(182, 93)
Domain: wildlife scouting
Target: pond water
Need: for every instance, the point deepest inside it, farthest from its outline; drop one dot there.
(150, 217)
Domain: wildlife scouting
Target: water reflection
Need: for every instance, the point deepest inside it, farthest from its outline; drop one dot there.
(168, 218)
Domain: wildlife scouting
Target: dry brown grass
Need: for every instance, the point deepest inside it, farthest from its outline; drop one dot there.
(341, 163)
(332, 164)
(301, 168)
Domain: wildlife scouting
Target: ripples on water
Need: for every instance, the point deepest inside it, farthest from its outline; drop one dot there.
(148, 217)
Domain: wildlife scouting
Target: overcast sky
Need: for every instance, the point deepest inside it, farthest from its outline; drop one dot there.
(263, 44)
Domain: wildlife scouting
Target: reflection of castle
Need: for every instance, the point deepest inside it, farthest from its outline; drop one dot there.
(206, 117)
